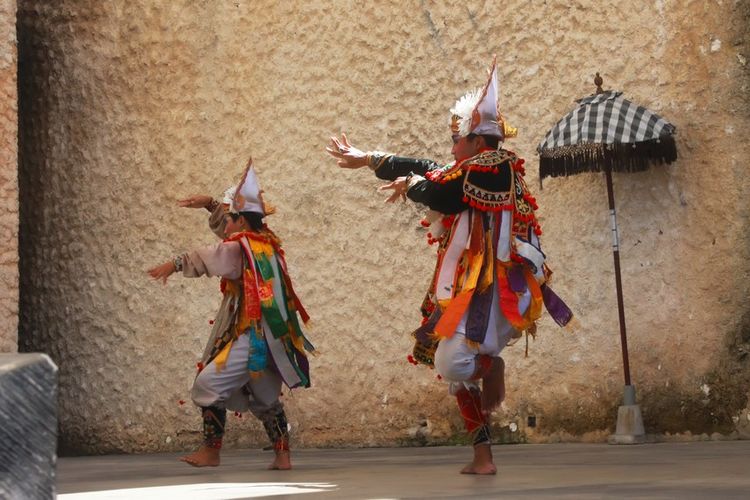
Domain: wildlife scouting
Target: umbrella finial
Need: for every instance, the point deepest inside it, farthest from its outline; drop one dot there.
(598, 81)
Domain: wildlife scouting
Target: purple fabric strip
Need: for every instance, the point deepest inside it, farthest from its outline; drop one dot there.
(516, 279)
(304, 365)
(560, 312)
(479, 315)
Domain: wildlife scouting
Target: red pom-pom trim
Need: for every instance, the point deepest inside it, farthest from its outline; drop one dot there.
(516, 258)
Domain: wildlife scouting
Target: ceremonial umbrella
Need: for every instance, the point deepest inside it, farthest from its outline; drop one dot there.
(606, 132)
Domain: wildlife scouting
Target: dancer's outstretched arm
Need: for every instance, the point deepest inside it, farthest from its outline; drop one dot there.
(407, 176)
(216, 221)
(386, 166)
(223, 259)
(198, 201)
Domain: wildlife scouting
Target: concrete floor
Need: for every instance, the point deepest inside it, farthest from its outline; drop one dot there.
(698, 470)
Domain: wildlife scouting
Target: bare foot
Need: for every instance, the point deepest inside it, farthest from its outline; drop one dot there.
(281, 462)
(493, 386)
(204, 457)
(482, 469)
(482, 463)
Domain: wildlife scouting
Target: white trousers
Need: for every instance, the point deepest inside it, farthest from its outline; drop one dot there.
(456, 360)
(233, 388)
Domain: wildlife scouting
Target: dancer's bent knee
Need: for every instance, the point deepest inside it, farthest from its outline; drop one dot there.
(454, 359)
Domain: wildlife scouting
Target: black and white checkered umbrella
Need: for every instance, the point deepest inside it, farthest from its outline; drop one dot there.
(606, 130)
(608, 133)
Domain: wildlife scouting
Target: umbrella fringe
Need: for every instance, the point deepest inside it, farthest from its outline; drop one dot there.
(628, 157)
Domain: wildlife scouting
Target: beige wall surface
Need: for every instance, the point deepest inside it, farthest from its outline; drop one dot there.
(135, 104)
(8, 179)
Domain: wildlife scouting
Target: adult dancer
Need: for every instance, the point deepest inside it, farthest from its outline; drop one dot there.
(491, 278)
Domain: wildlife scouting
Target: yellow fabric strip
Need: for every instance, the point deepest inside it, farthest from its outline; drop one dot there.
(296, 339)
(221, 359)
(535, 307)
(489, 263)
(260, 247)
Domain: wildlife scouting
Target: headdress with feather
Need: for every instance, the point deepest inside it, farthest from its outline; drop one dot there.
(477, 111)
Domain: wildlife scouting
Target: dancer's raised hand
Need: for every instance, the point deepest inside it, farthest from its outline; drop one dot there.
(347, 156)
(399, 190)
(195, 201)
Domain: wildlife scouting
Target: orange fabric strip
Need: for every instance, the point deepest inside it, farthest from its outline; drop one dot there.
(452, 315)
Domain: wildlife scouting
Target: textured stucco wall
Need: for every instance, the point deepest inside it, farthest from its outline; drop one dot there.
(134, 104)
(8, 179)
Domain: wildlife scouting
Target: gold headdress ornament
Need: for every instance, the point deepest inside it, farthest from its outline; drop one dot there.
(477, 112)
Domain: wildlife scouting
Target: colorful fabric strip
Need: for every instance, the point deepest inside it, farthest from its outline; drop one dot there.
(559, 311)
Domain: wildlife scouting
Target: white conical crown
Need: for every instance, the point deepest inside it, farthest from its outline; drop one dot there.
(484, 116)
(247, 197)
(476, 112)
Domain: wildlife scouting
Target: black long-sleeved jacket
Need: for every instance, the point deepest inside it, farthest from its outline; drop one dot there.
(445, 196)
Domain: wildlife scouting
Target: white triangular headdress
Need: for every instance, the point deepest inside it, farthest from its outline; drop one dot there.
(477, 111)
(247, 195)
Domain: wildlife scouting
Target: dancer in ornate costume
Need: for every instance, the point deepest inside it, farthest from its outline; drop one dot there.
(491, 278)
(256, 342)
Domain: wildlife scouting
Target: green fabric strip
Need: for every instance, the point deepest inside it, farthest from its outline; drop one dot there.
(263, 265)
(290, 353)
(275, 320)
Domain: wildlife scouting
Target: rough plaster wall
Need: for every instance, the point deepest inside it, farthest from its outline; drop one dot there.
(134, 104)
(8, 179)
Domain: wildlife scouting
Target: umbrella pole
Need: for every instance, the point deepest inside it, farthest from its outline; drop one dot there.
(629, 428)
(618, 277)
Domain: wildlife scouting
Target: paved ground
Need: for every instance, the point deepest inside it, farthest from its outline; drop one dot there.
(697, 470)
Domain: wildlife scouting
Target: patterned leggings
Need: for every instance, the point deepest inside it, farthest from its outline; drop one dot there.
(274, 422)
